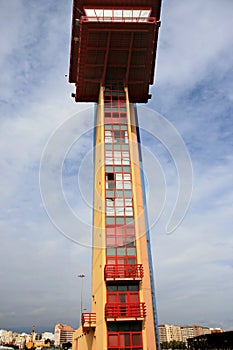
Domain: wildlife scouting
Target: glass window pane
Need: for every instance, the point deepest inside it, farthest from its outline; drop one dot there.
(131, 251)
(90, 12)
(119, 221)
(107, 13)
(133, 287)
(136, 13)
(128, 193)
(119, 211)
(108, 161)
(136, 326)
(136, 339)
(129, 211)
(119, 184)
(124, 147)
(121, 251)
(132, 261)
(111, 288)
(117, 154)
(145, 13)
(111, 241)
(119, 202)
(118, 169)
(117, 13)
(118, 176)
(108, 127)
(119, 241)
(129, 220)
(109, 193)
(112, 327)
(116, 146)
(111, 251)
(119, 193)
(125, 154)
(117, 161)
(113, 340)
(109, 202)
(134, 298)
(110, 184)
(128, 202)
(99, 13)
(127, 176)
(110, 211)
(109, 169)
(124, 339)
(129, 241)
(110, 230)
(121, 261)
(127, 185)
(110, 221)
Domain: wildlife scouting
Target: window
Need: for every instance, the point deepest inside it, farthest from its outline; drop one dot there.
(110, 180)
(117, 15)
(125, 336)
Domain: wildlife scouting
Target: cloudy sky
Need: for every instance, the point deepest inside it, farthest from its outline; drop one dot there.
(42, 128)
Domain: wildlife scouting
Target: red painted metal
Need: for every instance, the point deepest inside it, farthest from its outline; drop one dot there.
(123, 271)
(125, 310)
(103, 49)
(88, 320)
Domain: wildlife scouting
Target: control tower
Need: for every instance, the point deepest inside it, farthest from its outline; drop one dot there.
(113, 49)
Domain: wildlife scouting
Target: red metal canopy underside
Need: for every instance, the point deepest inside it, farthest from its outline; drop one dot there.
(108, 51)
(114, 52)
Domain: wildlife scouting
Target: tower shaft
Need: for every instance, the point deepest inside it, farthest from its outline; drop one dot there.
(122, 305)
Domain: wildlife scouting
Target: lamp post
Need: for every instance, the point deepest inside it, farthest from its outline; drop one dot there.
(81, 297)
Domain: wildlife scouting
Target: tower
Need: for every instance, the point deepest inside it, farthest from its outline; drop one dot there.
(112, 62)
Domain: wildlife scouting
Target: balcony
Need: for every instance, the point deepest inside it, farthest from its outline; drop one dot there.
(123, 272)
(125, 312)
(88, 320)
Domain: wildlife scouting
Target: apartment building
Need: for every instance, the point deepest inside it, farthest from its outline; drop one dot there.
(193, 331)
(62, 334)
(168, 332)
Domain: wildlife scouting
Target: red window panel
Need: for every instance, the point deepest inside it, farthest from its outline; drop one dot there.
(137, 339)
(113, 340)
(125, 340)
(119, 296)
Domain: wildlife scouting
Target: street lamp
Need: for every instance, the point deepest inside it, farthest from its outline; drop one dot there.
(81, 297)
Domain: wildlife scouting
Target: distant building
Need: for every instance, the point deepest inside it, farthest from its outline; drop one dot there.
(48, 335)
(169, 332)
(62, 334)
(216, 330)
(193, 331)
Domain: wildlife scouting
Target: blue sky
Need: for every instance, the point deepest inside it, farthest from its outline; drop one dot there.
(193, 90)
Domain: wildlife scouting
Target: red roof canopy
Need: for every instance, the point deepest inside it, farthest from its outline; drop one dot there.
(108, 50)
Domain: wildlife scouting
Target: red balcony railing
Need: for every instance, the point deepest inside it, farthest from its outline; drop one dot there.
(88, 320)
(127, 310)
(123, 271)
